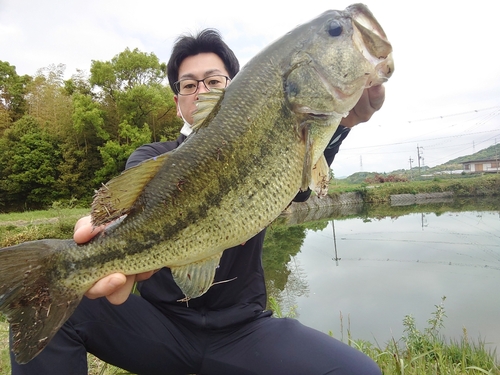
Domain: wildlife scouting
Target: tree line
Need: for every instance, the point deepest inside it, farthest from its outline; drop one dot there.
(61, 139)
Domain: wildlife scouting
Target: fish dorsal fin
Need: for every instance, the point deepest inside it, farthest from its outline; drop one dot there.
(320, 177)
(205, 107)
(195, 279)
(117, 197)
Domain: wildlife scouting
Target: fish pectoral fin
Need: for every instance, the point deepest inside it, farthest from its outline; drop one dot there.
(314, 176)
(117, 197)
(195, 279)
(320, 177)
(308, 163)
(206, 108)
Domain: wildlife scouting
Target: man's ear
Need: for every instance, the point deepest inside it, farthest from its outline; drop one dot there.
(176, 100)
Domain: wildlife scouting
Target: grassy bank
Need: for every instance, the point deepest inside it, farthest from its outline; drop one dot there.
(17, 227)
(476, 186)
(422, 351)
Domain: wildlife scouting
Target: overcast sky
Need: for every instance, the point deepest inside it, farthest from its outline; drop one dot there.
(444, 96)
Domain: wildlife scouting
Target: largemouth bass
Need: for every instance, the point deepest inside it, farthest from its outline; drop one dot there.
(254, 146)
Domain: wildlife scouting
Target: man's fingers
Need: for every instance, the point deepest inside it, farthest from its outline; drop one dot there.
(145, 275)
(376, 96)
(85, 234)
(106, 286)
(85, 231)
(370, 102)
(122, 293)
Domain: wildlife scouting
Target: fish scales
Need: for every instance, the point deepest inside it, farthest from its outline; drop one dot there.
(254, 146)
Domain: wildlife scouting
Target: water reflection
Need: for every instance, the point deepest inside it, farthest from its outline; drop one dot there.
(376, 264)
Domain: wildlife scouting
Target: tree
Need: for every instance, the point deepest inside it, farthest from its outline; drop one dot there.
(132, 88)
(12, 91)
(137, 107)
(48, 101)
(28, 165)
(116, 152)
(59, 139)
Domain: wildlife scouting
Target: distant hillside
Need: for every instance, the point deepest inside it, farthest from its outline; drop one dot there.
(491, 152)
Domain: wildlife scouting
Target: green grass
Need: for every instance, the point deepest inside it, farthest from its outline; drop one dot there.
(423, 352)
(17, 227)
(476, 186)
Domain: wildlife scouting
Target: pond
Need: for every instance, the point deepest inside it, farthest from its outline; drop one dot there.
(367, 268)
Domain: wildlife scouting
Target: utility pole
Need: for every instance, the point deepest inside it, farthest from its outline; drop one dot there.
(496, 153)
(419, 156)
(411, 161)
(336, 259)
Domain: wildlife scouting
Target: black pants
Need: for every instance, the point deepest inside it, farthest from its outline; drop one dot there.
(137, 337)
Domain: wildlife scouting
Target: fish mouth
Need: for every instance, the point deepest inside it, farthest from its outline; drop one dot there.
(372, 42)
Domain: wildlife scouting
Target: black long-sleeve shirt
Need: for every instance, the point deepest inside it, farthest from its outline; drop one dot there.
(224, 304)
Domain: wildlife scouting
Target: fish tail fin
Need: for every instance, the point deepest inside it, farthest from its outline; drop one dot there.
(31, 296)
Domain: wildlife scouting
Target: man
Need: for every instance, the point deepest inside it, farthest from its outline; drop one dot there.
(225, 331)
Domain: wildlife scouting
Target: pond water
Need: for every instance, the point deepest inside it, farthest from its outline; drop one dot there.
(374, 267)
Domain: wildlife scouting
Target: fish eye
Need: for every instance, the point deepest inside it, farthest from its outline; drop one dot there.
(334, 28)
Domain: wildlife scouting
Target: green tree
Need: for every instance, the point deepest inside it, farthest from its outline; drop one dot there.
(137, 107)
(78, 83)
(134, 83)
(28, 165)
(116, 152)
(60, 139)
(88, 119)
(48, 101)
(12, 91)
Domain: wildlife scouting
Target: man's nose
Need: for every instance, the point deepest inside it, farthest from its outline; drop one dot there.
(202, 87)
(200, 90)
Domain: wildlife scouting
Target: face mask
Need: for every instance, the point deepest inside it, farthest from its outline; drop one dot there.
(186, 128)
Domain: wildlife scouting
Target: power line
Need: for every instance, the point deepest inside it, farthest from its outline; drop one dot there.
(452, 115)
(437, 143)
(420, 140)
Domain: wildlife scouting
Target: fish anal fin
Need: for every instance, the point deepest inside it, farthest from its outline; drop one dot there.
(196, 278)
(320, 177)
(117, 197)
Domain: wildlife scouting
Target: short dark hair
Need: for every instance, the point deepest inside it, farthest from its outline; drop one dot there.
(208, 40)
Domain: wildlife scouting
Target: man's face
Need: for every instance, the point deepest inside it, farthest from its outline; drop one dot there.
(197, 67)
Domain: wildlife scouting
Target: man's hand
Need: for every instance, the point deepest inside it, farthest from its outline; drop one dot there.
(369, 103)
(115, 287)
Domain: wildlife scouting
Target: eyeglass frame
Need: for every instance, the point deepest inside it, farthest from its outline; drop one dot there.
(177, 83)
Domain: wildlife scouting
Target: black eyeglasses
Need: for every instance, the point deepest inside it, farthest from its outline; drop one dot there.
(190, 86)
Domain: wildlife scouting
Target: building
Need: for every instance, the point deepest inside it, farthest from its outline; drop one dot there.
(482, 166)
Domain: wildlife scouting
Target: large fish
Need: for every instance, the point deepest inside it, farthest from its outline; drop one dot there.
(255, 145)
